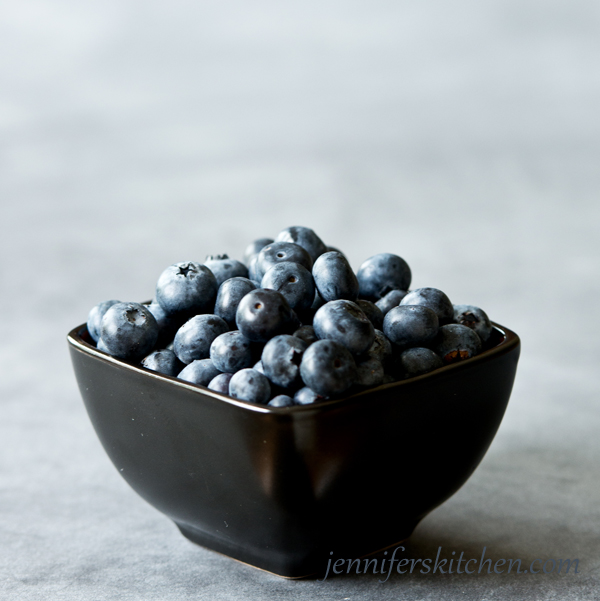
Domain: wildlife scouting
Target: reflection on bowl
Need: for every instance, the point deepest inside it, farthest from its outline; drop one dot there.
(280, 488)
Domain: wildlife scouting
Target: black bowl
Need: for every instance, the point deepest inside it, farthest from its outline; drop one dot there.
(281, 488)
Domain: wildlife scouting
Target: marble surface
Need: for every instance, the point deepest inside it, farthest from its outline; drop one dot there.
(464, 137)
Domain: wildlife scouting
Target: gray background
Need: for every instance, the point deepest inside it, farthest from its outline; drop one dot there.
(463, 136)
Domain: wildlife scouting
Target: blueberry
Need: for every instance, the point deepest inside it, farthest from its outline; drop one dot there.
(334, 277)
(328, 367)
(307, 396)
(224, 268)
(433, 298)
(194, 337)
(188, 288)
(369, 373)
(381, 273)
(418, 361)
(456, 343)
(167, 326)
(293, 281)
(250, 385)
(232, 351)
(94, 320)
(128, 331)
(474, 318)
(411, 325)
(372, 311)
(306, 333)
(334, 249)
(163, 361)
(231, 292)
(390, 300)
(101, 346)
(304, 237)
(344, 322)
(281, 359)
(263, 314)
(258, 366)
(253, 271)
(281, 400)
(318, 302)
(281, 252)
(220, 383)
(381, 348)
(201, 371)
(255, 247)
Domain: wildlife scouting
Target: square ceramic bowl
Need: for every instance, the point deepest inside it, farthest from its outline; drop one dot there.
(281, 488)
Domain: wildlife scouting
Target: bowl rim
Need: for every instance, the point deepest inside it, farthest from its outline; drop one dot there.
(510, 340)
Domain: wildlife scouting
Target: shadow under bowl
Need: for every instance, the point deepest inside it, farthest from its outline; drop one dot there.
(281, 488)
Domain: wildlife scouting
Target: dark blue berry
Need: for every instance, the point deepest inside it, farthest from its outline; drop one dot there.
(281, 400)
(163, 361)
(167, 325)
(306, 333)
(434, 299)
(334, 277)
(253, 272)
(102, 347)
(94, 321)
(318, 302)
(418, 361)
(334, 249)
(188, 288)
(381, 349)
(250, 385)
(224, 268)
(194, 337)
(381, 273)
(390, 300)
(255, 247)
(293, 281)
(344, 322)
(474, 318)
(281, 360)
(457, 343)
(372, 311)
(263, 314)
(220, 383)
(258, 366)
(411, 325)
(232, 351)
(369, 373)
(128, 331)
(201, 372)
(304, 237)
(281, 252)
(307, 396)
(328, 368)
(231, 292)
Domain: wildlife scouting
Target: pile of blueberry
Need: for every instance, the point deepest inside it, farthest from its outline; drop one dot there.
(291, 325)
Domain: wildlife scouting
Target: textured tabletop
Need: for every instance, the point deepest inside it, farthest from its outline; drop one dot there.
(463, 136)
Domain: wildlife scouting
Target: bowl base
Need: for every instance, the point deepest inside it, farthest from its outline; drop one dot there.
(313, 569)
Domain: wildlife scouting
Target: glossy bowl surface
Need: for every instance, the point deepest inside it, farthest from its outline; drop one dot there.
(280, 488)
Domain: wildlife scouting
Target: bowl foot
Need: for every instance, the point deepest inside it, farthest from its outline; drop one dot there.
(313, 566)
